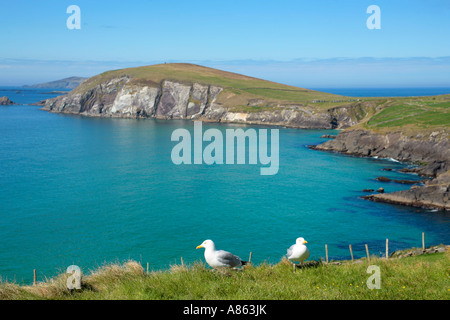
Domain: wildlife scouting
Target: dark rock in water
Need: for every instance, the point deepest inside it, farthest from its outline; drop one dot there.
(383, 179)
(368, 190)
(4, 101)
(407, 181)
(380, 190)
(39, 103)
(331, 136)
(387, 169)
(435, 194)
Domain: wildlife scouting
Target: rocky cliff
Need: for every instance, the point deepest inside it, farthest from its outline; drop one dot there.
(434, 194)
(431, 151)
(121, 97)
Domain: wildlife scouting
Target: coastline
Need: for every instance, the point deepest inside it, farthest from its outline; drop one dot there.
(431, 153)
(121, 94)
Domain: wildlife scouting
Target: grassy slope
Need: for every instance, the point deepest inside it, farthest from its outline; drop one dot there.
(238, 88)
(419, 277)
(412, 115)
(393, 114)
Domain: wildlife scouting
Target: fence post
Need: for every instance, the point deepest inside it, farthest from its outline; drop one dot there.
(34, 277)
(423, 241)
(387, 249)
(326, 252)
(367, 251)
(351, 251)
(250, 258)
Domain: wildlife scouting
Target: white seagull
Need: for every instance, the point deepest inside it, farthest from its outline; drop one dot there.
(298, 252)
(219, 258)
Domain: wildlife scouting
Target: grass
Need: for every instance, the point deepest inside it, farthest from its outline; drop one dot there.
(251, 95)
(243, 86)
(418, 277)
(413, 115)
(402, 115)
(240, 93)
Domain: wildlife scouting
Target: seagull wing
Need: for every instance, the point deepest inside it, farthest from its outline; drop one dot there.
(290, 251)
(228, 259)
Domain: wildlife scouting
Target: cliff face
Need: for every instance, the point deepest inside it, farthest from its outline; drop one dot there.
(120, 97)
(434, 194)
(432, 150)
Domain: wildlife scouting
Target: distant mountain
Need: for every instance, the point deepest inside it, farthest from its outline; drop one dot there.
(67, 83)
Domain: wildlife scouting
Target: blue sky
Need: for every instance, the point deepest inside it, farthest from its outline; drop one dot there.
(322, 43)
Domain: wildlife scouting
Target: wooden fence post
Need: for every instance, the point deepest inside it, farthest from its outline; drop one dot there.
(367, 251)
(147, 267)
(34, 277)
(250, 258)
(326, 252)
(387, 249)
(423, 241)
(351, 251)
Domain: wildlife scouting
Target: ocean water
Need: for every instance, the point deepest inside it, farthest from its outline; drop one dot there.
(90, 191)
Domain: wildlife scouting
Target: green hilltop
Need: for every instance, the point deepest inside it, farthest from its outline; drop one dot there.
(249, 95)
(237, 88)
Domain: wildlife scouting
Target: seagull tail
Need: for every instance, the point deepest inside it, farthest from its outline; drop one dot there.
(244, 262)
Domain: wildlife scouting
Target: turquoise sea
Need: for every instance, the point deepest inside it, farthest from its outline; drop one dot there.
(90, 191)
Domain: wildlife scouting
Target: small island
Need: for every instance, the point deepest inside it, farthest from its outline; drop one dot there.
(4, 101)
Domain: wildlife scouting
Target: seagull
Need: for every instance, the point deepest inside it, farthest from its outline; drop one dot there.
(220, 258)
(298, 252)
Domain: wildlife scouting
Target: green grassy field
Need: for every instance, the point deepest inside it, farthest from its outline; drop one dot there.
(419, 277)
(423, 114)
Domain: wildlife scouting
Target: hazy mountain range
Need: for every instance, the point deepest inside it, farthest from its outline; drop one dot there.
(66, 83)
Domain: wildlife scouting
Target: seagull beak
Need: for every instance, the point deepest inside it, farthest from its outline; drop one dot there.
(198, 247)
(305, 241)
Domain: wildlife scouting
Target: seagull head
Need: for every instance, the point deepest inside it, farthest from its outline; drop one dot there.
(301, 241)
(206, 244)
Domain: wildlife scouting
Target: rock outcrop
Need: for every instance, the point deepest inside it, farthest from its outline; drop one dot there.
(419, 251)
(4, 101)
(169, 99)
(434, 194)
(431, 150)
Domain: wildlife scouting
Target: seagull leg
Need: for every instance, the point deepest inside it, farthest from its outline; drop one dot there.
(293, 266)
